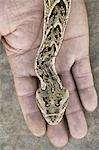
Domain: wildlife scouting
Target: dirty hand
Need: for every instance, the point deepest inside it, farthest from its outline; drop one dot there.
(21, 39)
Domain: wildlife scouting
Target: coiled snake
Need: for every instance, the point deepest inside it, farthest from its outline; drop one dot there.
(52, 97)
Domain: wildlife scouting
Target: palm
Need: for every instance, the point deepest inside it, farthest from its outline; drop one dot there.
(72, 65)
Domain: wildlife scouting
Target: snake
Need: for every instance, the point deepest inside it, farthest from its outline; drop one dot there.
(51, 96)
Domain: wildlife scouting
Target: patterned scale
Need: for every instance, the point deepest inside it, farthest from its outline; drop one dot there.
(52, 97)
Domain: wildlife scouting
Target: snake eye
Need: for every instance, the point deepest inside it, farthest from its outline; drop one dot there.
(57, 104)
(47, 104)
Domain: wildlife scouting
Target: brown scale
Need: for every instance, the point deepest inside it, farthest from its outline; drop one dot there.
(52, 98)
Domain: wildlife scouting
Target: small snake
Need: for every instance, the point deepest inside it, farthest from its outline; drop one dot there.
(52, 97)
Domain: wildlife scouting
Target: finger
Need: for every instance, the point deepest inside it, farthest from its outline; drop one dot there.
(20, 45)
(21, 61)
(57, 134)
(74, 114)
(26, 87)
(84, 81)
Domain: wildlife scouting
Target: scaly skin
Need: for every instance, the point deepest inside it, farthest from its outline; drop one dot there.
(52, 97)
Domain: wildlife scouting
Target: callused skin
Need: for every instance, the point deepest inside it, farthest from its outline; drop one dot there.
(52, 97)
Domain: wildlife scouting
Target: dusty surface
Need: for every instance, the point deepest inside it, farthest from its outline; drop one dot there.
(14, 134)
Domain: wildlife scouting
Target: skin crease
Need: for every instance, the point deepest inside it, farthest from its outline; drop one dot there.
(21, 35)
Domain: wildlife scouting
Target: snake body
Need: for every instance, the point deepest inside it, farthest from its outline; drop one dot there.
(52, 97)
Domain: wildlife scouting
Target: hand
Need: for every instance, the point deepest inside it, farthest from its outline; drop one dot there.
(72, 64)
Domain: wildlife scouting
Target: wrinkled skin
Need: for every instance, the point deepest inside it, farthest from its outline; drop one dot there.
(21, 33)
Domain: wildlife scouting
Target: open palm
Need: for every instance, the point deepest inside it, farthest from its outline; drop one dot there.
(72, 64)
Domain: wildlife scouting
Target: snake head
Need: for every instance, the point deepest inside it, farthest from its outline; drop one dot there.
(52, 105)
